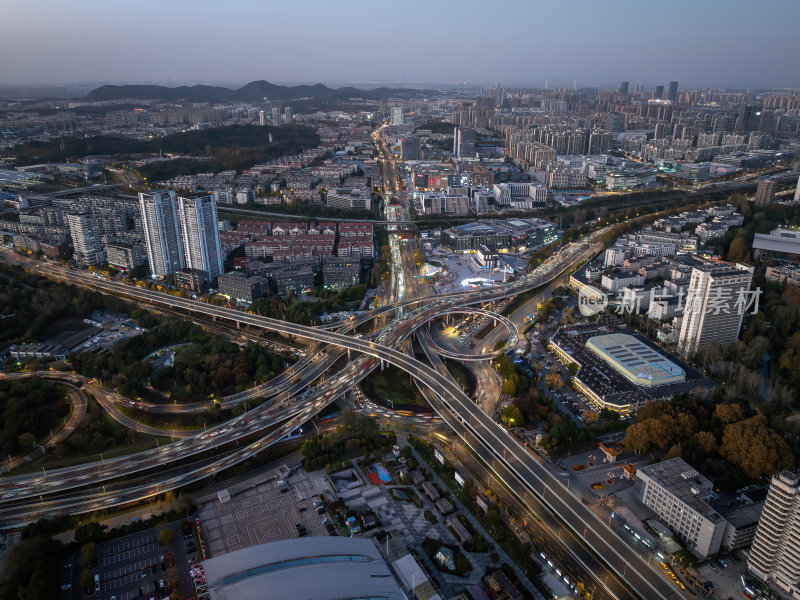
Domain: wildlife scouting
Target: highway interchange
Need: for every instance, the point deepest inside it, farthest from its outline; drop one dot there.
(300, 395)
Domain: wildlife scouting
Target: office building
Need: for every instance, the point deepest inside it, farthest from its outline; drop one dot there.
(623, 88)
(716, 301)
(659, 92)
(765, 193)
(162, 232)
(397, 115)
(124, 254)
(775, 554)
(200, 235)
(261, 118)
(679, 495)
(276, 115)
(287, 115)
(86, 239)
(463, 142)
(237, 286)
(672, 94)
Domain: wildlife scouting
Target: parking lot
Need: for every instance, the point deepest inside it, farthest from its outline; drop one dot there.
(262, 513)
(133, 566)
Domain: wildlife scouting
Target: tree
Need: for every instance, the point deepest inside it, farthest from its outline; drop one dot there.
(512, 416)
(706, 442)
(165, 536)
(87, 581)
(590, 416)
(638, 439)
(739, 250)
(755, 448)
(26, 439)
(510, 387)
(729, 413)
(87, 554)
(573, 368)
(90, 532)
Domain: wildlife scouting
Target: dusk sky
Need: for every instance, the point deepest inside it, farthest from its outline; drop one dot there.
(735, 43)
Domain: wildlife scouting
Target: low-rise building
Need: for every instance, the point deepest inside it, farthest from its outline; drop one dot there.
(195, 280)
(444, 506)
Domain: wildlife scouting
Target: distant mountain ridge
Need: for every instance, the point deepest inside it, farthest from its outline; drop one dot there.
(252, 92)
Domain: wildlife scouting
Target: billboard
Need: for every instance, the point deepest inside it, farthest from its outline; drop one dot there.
(459, 479)
(438, 456)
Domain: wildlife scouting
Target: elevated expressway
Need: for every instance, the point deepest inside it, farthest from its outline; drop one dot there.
(513, 337)
(59, 480)
(526, 469)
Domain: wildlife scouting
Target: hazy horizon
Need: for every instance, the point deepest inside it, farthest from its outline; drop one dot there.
(49, 43)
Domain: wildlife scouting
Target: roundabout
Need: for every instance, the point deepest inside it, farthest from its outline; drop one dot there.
(513, 338)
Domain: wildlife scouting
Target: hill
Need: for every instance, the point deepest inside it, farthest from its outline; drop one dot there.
(252, 92)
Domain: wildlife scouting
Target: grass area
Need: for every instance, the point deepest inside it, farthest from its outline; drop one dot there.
(393, 385)
(409, 492)
(188, 422)
(520, 299)
(458, 372)
(50, 462)
(98, 434)
(462, 564)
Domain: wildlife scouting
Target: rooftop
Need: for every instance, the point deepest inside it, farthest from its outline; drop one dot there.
(635, 360)
(682, 481)
(315, 568)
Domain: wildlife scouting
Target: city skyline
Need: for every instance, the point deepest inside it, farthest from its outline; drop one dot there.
(523, 45)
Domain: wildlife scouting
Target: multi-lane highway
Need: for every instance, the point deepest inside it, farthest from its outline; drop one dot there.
(395, 332)
(22, 498)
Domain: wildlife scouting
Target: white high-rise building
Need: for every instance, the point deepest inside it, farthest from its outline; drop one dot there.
(276, 115)
(200, 234)
(716, 301)
(775, 554)
(162, 232)
(397, 115)
(797, 191)
(463, 142)
(261, 118)
(86, 239)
